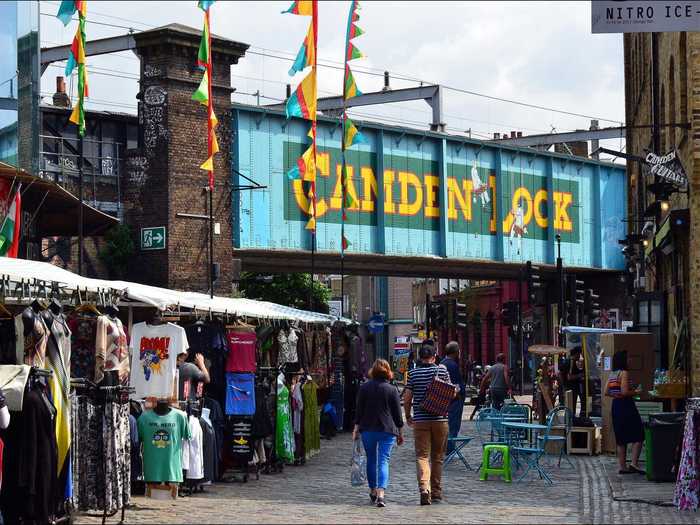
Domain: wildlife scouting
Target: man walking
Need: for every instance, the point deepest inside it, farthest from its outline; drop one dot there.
(430, 430)
(499, 383)
(451, 362)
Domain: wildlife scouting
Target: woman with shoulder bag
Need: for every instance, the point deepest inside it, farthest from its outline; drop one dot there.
(627, 422)
(378, 421)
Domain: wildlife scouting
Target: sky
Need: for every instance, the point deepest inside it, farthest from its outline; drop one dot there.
(541, 53)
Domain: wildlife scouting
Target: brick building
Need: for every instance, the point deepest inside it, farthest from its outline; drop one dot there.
(662, 94)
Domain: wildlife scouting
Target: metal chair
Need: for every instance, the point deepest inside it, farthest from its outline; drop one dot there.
(458, 443)
(554, 418)
(484, 431)
(532, 454)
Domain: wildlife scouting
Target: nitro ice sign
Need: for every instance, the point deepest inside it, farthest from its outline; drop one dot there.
(639, 16)
(668, 168)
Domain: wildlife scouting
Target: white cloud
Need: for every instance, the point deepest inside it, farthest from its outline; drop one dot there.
(536, 52)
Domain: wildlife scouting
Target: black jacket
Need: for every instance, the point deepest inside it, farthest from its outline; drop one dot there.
(378, 408)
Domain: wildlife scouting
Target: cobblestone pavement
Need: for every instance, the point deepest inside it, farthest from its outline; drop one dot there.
(320, 492)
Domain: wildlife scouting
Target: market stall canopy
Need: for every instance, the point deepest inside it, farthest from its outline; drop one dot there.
(547, 350)
(55, 207)
(40, 276)
(589, 330)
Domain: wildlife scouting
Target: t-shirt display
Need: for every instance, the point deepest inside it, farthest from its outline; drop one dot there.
(154, 351)
(161, 437)
(192, 451)
(111, 348)
(188, 377)
(241, 350)
(240, 394)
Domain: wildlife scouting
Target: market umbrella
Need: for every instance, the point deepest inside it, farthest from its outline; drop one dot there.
(547, 350)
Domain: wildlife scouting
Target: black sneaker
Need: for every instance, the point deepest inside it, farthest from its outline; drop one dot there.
(425, 498)
(380, 503)
(437, 501)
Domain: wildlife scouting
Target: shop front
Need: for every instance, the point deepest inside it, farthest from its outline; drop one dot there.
(120, 389)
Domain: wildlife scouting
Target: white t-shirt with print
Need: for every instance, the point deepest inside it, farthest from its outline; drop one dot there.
(154, 350)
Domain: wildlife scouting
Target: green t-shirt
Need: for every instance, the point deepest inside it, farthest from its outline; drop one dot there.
(162, 437)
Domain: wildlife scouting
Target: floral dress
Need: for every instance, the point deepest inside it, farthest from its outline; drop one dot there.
(284, 443)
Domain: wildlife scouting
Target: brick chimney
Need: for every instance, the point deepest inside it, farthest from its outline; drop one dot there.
(61, 98)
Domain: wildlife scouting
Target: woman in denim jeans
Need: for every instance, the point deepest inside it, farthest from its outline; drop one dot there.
(378, 420)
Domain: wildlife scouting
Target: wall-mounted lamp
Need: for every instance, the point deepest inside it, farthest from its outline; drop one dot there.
(664, 205)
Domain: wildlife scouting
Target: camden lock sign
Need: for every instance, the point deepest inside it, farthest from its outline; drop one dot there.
(668, 168)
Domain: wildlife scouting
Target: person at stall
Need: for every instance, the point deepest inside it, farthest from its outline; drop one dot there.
(451, 362)
(498, 382)
(191, 374)
(378, 421)
(574, 374)
(627, 423)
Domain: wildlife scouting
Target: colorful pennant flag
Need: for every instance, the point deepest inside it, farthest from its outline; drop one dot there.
(306, 56)
(302, 7)
(76, 58)
(351, 135)
(9, 232)
(203, 92)
(302, 102)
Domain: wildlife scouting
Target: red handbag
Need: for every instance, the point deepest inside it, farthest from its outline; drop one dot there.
(438, 396)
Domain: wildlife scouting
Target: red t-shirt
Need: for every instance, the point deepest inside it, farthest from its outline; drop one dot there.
(241, 351)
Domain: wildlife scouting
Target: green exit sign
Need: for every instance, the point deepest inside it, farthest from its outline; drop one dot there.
(153, 238)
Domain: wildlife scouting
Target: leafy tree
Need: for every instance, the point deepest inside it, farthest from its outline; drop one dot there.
(289, 289)
(118, 250)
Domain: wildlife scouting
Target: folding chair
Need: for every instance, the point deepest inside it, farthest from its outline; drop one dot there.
(555, 414)
(458, 442)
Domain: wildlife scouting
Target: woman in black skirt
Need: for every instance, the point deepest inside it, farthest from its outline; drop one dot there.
(627, 423)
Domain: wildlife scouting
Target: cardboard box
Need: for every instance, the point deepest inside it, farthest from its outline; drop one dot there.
(641, 362)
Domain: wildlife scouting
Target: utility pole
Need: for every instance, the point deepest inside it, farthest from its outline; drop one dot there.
(81, 236)
(520, 339)
(560, 289)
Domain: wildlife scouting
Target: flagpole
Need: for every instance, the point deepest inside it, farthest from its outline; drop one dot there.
(80, 209)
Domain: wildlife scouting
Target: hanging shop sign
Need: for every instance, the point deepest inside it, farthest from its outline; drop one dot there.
(153, 238)
(668, 168)
(334, 308)
(643, 16)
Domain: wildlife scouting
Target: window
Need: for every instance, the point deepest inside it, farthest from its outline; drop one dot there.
(476, 322)
(649, 317)
(683, 78)
(491, 336)
(671, 104)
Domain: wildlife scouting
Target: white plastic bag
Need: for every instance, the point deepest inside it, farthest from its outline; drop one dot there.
(358, 467)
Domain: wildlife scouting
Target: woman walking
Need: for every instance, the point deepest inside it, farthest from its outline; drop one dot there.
(627, 423)
(378, 420)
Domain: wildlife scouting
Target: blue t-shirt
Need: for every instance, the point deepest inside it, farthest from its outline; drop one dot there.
(418, 381)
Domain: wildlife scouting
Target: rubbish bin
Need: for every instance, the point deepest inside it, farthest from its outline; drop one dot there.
(663, 435)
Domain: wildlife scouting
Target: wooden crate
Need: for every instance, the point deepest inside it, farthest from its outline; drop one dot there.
(584, 440)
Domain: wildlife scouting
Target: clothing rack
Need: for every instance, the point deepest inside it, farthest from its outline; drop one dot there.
(272, 465)
(117, 394)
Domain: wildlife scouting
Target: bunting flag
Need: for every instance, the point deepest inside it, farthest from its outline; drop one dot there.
(302, 102)
(306, 56)
(302, 7)
(9, 233)
(351, 135)
(76, 58)
(203, 92)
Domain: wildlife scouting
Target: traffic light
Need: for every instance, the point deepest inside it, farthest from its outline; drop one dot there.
(509, 313)
(533, 280)
(574, 300)
(438, 315)
(460, 315)
(591, 307)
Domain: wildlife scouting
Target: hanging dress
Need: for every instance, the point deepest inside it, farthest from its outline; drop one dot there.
(284, 444)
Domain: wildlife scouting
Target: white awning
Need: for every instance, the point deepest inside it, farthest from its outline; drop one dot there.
(35, 273)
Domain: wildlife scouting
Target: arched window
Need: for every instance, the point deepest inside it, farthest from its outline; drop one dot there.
(672, 114)
(662, 120)
(491, 336)
(476, 334)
